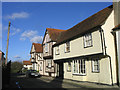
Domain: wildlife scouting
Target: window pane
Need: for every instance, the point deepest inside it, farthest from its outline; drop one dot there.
(87, 40)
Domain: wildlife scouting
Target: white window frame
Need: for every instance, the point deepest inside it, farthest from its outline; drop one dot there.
(69, 66)
(77, 67)
(94, 64)
(67, 46)
(57, 51)
(87, 38)
(46, 48)
(40, 66)
(49, 62)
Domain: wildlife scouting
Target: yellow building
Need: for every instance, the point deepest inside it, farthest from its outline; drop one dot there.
(86, 52)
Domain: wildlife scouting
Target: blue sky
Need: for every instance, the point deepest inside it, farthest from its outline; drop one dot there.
(29, 21)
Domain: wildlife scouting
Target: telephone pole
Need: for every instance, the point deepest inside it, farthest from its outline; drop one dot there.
(7, 42)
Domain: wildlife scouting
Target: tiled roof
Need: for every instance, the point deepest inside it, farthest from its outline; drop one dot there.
(116, 27)
(38, 47)
(27, 63)
(53, 33)
(85, 26)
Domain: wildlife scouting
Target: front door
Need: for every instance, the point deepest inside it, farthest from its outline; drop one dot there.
(61, 70)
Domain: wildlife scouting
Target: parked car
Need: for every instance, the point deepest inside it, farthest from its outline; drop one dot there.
(32, 73)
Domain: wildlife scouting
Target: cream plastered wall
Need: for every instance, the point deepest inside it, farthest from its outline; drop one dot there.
(104, 76)
(33, 48)
(77, 47)
(28, 66)
(109, 41)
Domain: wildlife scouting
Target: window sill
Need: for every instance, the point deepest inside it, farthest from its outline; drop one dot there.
(79, 74)
(68, 70)
(67, 52)
(88, 46)
(95, 71)
(57, 54)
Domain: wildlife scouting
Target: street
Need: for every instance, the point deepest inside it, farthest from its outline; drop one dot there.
(21, 82)
(41, 82)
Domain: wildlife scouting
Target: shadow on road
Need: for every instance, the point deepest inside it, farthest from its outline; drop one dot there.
(20, 82)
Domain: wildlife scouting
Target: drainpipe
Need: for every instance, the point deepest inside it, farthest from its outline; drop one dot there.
(111, 69)
(104, 51)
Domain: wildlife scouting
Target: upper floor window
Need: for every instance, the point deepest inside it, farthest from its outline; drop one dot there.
(67, 47)
(39, 56)
(49, 63)
(88, 40)
(57, 50)
(95, 65)
(46, 47)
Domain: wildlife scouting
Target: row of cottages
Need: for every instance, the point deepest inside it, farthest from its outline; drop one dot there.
(87, 51)
(37, 58)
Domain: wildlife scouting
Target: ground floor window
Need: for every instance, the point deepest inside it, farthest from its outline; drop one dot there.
(95, 65)
(69, 66)
(79, 67)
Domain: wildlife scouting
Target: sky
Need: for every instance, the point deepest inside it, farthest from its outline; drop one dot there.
(29, 21)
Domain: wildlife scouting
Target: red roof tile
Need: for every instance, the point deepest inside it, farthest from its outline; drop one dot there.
(38, 47)
(27, 63)
(54, 33)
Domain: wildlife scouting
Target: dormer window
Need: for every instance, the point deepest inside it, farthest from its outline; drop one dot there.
(67, 47)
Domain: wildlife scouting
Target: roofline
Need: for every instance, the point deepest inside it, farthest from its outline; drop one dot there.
(77, 36)
(47, 29)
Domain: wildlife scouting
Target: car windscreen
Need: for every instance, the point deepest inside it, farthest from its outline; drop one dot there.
(33, 71)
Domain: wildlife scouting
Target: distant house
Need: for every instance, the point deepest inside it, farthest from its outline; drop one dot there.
(2, 58)
(37, 57)
(27, 65)
(86, 52)
(50, 38)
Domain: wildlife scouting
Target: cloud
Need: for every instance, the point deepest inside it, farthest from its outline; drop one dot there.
(14, 16)
(36, 39)
(29, 34)
(17, 56)
(32, 35)
(13, 30)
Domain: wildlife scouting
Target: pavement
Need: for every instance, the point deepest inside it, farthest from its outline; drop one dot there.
(82, 84)
(21, 82)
